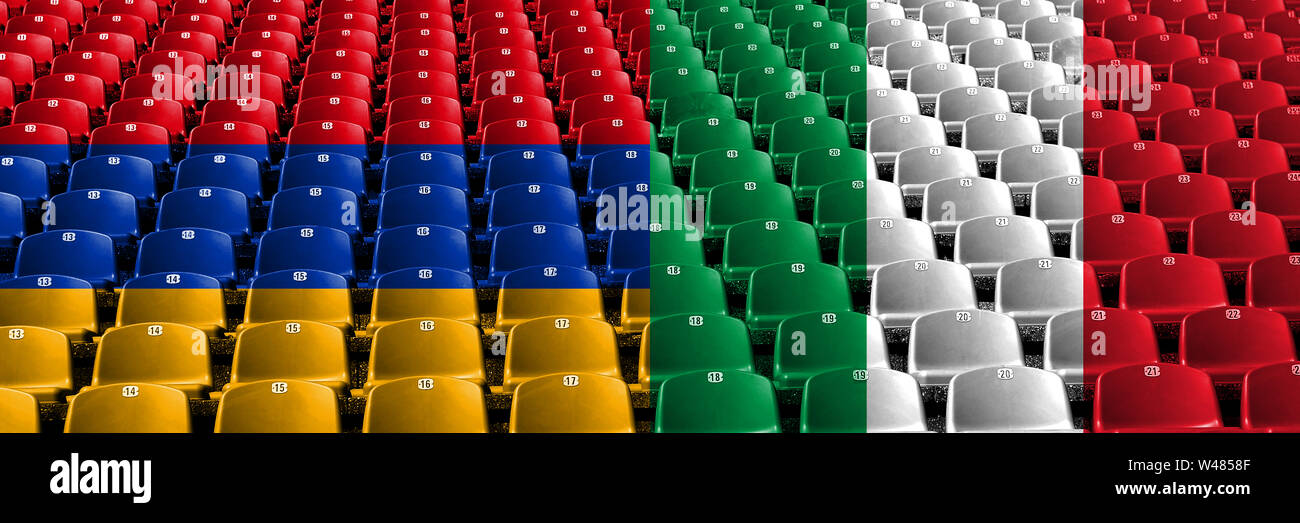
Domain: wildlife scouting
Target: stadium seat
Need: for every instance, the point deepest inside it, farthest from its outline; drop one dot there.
(835, 401)
(755, 243)
(551, 344)
(685, 289)
(181, 298)
(1167, 287)
(305, 350)
(1267, 398)
(535, 292)
(201, 251)
(717, 401)
(811, 343)
(947, 343)
(1270, 284)
(278, 405)
(781, 290)
(1008, 399)
(572, 402)
(167, 354)
(987, 243)
(128, 407)
(425, 167)
(79, 254)
(330, 251)
(683, 343)
(38, 361)
(947, 203)
(1155, 398)
(424, 347)
(735, 202)
(331, 207)
(423, 293)
(434, 404)
(1257, 337)
(1234, 239)
(531, 202)
(1019, 292)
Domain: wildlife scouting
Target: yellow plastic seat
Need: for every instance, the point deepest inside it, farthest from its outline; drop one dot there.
(278, 406)
(425, 347)
(534, 292)
(299, 295)
(300, 350)
(36, 361)
(559, 344)
(58, 303)
(19, 412)
(168, 354)
(635, 310)
(426, 404)
(423, 293)
(184, 298)
(128, 407)
(576, 402)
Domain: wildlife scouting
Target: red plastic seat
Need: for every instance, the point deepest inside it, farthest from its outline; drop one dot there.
(347, 39)
(168, 114)
(1242, 160)
(594, 106)
(495, 18)
(146, 140)
(328, 136)
(579, 58)
(70, 10)
(271, 22)
(1168, 287)
(84, 88)
(590, 81)
(341, 60)
(1248, 48)
(336, 83)
(1155, 398)
(53, 139)
(1111, 240)
(473, 7)
(1270, 398)
(1127, 338)
(1236, 238)
(354, 21)
(425, 39)
(1174, 11)
(99, 64)
(514, 107)
(248, 85)
(270, 41)
(496, 83)
(425, 108)
(338, 108)
(401, 7)
(570, 36)
(1227, 342)
(1246, 98)
(1125, 28)
(555, 20)
(18, 68)
(1101, 196)
(1203, 74)
(1273, 283)
(118, 45)
(1282, 125)
(517, 37)
(162, 85)
(146, 10)
(425, 83)
(422, 60)
(1194, 128)
(202, 43)
(423, 20)
(1097, 11)
(187, 64)
(39, 47)
(1279, 195)
(627, 21)
(424, 132)
(52, 26)
(1106, 127)
(295, 8)
(504, 135)
(1208, 27)
(219, 8)
(8, 96)
(270, 62)
(1254, 11)
(1283, 69)
(198, 23)
(500, 59)
(1161, 97)
(1284, 24)
(543, 7)
(1162, 50)
(1102, 76)
(70, 115)
(1131, 164)
(243, 136)
(255, 111)
(130, 25)
(369, 7)
(1178, 198)
(605, 134)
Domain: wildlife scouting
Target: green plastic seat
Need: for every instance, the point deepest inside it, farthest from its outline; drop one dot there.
(835, 401)
(680, 289)
(664, 57)
(803, 34)
(840, 81)
(721, 36)
(711, 16)
(817, 167)
(685, 343)
(735, 58)
(697, 135)
(682, 107)
(717, 402)
(661, 168)
(771, 107)
(719, 166)
(853, 249)
(855, 115)
(838, 9)
(754, 81)
(815, 342)
(675, 246)
(736, 202)
(781, 290)
(756, 243)
(781, 17)
(837, 204)
(666, 83)
(819, 57)
(665, 34)
(796, 134)
(690, 8)
(763, 8)
(855, 16)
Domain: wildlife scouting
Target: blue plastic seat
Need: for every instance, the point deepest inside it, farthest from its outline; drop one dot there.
(12, 223)
(629, 250)
(425, 167)
(323, 206)
(41, 141)
(259, 152)
(215, 208)
(319, 248)
(529, 244)
(532, 202)
(424, 205)
(129, 174)
(612, 168)
(157, 154)
(526, 166)
(324, 169)
(200, 251)
(85, 255)
(587, 152)
(611, 202)
(421, 246)
(25, 178)
(100, 210)
(229, 171)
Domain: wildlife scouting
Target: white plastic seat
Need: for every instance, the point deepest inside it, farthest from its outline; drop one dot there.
(1008, 399)
(949, 342)
(1033, 290)
(987, 243)
(895, 239)
(904, 290)
(893, 402)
